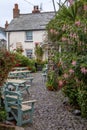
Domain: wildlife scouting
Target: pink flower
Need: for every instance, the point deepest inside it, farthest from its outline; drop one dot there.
(52, 31)
(65, 75)
(56, 32)
(84, 70)
(36, 43)
(73, 63)
(60, 83)
(71, 71)
(64, 27)
(77, 23)
(64, 39)
(85, 7)
(71, 35)
(74, 35)
(70, 1)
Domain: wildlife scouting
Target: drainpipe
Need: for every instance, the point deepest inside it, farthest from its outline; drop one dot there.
(8, 41)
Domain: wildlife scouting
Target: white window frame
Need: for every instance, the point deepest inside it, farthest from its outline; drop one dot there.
(29, 36)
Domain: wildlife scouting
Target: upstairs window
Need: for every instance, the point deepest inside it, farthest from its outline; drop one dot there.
(29, 36)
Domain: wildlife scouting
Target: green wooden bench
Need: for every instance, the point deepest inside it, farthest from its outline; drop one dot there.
(16, 109)
(17, 84)
(21, 75)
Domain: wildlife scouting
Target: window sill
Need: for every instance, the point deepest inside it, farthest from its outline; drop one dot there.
(28, 40)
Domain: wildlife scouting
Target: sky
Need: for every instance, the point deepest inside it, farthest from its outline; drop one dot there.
(25, 6)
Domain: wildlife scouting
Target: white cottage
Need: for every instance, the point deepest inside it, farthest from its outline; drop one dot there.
(27, 30)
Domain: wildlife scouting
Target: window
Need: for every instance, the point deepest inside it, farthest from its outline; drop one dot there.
(29, 53)
(29, 36)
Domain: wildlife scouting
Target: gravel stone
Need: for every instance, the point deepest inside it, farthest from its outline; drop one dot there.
(50, 112)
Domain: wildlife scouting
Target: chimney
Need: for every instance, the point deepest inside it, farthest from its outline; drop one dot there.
(36, 9)
(6, 24)
(16, 11)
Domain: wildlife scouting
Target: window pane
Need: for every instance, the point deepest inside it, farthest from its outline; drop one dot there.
(29, 53)
(29, 35)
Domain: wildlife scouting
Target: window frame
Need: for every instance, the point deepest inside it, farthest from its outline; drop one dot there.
(31, 53)
(29, 36)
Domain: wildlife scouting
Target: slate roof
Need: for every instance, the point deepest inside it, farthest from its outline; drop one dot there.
(32, 21)
(2, 37)
(2, 29)
(2, 33)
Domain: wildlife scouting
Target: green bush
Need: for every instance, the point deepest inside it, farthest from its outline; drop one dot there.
(7, 62)
(82, 101)
(24, 61)
(68, 31)
(71, 92)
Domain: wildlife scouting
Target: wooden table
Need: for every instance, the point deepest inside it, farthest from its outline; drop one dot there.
(19, 74)
(20, 68)
(16, 81)
(16, 84)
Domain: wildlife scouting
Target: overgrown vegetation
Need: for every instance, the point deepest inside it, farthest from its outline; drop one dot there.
(24, 61)
(7, 62)
(69, 30)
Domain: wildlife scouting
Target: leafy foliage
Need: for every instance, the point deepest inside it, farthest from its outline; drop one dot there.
(52, 82)
(69, 30)
(7, 62)
(24, 61)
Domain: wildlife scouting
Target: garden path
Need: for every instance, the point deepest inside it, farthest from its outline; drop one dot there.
(51, 111)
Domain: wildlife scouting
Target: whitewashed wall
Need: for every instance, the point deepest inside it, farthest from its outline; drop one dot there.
(16, 37)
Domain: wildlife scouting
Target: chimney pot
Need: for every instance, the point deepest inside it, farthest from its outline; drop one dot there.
(6, 24)
(16, 6)
(16, 11)
(36, 9)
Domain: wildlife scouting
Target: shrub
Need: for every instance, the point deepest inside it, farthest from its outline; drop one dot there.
(24, 61)
(7, 62)
(69, 30)
(82, 100)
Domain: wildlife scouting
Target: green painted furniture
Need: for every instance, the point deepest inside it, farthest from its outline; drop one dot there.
(25, 74)
(20, 68)
(18, 74)
(44, 74)
(18, 84)
(16, 109)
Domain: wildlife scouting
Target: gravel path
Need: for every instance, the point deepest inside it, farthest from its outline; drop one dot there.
(50, 113)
